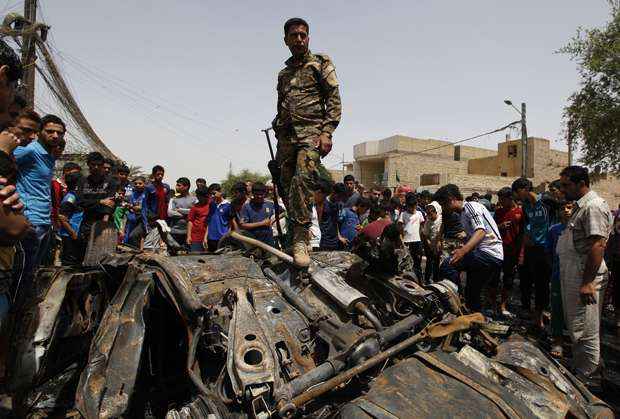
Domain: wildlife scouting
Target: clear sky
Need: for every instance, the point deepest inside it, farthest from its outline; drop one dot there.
(189, 84)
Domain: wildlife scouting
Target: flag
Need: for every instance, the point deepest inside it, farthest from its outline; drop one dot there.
(397, 178)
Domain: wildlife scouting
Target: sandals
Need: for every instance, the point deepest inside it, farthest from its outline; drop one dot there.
(556, 351)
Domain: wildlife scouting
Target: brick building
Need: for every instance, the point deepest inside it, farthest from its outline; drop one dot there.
(429, 163)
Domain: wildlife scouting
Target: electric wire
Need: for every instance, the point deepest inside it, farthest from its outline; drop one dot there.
(503, 128)
(149, 114)
(142, 100)
(159, 102)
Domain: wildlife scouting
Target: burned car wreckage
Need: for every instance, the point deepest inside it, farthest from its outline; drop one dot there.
(242, 333)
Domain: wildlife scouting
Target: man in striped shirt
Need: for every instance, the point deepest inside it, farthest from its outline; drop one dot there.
(482, 254)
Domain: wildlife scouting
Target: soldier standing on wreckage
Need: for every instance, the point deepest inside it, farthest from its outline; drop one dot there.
(309, 111)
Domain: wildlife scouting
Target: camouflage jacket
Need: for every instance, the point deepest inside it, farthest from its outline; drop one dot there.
(308, 98)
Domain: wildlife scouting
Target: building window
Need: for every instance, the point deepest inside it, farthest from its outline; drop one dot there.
(503, 174)
(429, 179)
(512, 151)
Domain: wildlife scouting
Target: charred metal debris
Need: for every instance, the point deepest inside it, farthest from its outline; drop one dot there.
(236, 335)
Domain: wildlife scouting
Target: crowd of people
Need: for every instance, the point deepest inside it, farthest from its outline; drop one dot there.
(561, 243)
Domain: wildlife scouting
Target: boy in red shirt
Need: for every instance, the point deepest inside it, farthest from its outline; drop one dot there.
(198, 220)
(509, 219)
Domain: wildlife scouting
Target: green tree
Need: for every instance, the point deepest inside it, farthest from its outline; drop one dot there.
(592, 116)
(243, 176)
(136, 171)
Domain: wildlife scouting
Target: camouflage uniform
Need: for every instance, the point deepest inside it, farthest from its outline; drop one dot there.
(308, 105)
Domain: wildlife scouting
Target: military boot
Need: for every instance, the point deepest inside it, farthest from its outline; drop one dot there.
(301, 255)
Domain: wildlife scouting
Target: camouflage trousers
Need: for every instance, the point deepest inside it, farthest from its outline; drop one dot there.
(300, 171)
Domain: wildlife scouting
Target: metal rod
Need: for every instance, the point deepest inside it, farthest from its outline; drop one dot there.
(406, 325)
(266, 131)
(364, 366)
(275, 190)
(524, 156)
(253, 242)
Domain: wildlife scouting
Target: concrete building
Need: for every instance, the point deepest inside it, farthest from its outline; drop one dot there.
(429, 163)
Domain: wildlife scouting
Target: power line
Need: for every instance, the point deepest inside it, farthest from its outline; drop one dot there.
(463, 140)
(110, 81)
(149, 114)
(159, 102)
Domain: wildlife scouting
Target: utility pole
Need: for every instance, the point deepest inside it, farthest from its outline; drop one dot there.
(28, 51)
(523, 142)
(569, 140)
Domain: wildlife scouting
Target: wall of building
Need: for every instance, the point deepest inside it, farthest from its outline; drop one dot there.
(411, 166)
(368, 172)
(477, 169)
(507, 162)
(609, 189)
(468, 152)
(404, 144)
(487, 166)
(478, 183)
(543, 162)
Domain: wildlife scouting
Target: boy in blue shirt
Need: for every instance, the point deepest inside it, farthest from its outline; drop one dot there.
(349, 220)
(256, 216)
(219, 217)
(136, 226)
(70, 217)
(536, 268)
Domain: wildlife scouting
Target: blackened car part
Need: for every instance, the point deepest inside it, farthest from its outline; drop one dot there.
(519, 382)
(107, 382)
(342, 337)
(287, 406)
(251, 363)
(34, 327)
(51, 333)
(330, 281)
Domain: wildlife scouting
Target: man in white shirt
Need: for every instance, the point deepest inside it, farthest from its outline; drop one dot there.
(410, 221)
(482, 254)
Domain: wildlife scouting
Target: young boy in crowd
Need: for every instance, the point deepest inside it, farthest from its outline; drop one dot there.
(327, 213)
(198, 220)
(158, 193)
(351, 195)
(350, 220)
(221, 214)
(70, 218)
(431, 237)
(367, 242)
(481, 257)
(96, 194)
(239, 199)
(136, 225)
(509, 219)
(256, 215)
(201, 183)
(396, 208)
(536, 268)
(109, 167)
(557, 311)
(178, 209)
(153, 241)
(122, 176)
(379, 219)
(410, 222)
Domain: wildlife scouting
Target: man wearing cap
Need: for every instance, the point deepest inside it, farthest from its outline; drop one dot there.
(309, 110)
